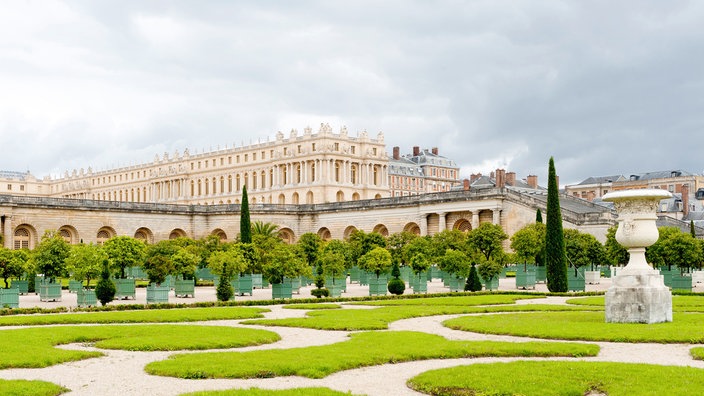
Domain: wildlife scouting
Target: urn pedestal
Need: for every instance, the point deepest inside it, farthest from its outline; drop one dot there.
(638, 293)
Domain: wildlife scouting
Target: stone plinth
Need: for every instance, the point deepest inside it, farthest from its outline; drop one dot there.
(638, 293)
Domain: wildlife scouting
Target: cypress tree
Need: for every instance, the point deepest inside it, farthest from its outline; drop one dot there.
(691, 229)
(555, 256)
(245, 225)
(538, 216)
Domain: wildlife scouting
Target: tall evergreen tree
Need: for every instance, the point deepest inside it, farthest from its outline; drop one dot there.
(538, 216)
(691, 229)
(245, 224)
(555, 257)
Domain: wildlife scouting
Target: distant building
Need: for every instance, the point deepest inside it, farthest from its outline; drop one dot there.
(423, 171)
(592, 188)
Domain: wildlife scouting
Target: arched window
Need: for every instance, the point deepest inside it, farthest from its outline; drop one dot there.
(353, 174)
(22, 238)
(312, 172)
(103, 235)
(237, 183)
(337, 171)
(229, 183)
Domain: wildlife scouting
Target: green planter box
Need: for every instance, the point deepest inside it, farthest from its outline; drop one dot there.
(38, 280)
(378, 286)
(22, 285)
(493, 285)
(682, 282)
(157, 294)
(204, 274)
(296, 285)
(243, 285)
(435, 273)
(124, 289)
(86, 298)
(540, 274)
(363, 278)
(455, 283)
(605, 271)
(575, 282)
(354, 274)
(10, 298)
(74, 286)
(282, 290)
(668, 274)
(406, 274)
(338, 281)
(136, 272)
(335, 290)
(257, 281)
(50, 292)
(419, 283)
(185, 288)
(525, 278)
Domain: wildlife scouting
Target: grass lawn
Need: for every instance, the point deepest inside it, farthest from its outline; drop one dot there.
(363, 349)
(543, 378)
(697, 353)
(590, 326)
(34, 347)
(267, 392)
(482, 299)
(30, 388)
(140, 316)
(312, 306)
(379, 318)
(679, 303)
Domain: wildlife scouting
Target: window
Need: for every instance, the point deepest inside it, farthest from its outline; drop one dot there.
(313, 146)
(198, 164)
(21, 188)
(337, 146)
(222, 161)
(374, 151)
(263, 155)
(237, 159)
(254, 156)
(246, 157)
(229, 160)
(299, 149)
(352, 149)
(9, 187)
(285, 150)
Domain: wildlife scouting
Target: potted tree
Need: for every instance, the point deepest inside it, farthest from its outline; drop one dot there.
(10, 267)
(244, 283)
(226, 264)
(396, 285)
(333, 266)
(577, 251)
(683, 251)
(320, 289)
(378, 262)
(49, 259)
(456, 264)
(339, 277)
(124, 252)
(185, 264)
(105, 289)
(85, 263)
(159, 264)
(419, 280)
(528, 243)
(285, 264)
(487, 240)
(489, 271)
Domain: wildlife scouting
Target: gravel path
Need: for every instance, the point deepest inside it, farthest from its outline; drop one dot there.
(121, 372)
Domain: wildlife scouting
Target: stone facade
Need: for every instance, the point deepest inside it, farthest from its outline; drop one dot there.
(424, 171)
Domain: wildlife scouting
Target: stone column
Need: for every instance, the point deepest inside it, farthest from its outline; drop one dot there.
(7, 231)
(423, 224)
(475, 220)
(497, 216)
(442, 221)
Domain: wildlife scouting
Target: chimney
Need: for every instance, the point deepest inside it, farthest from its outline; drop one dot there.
(474, 177)
(434, 150)
(465, 184)
(532, 181)
(500, 178)
(557, 181)
(492, 175)
(397, 153)
(685, 199)
(416, 151)
(511, 178)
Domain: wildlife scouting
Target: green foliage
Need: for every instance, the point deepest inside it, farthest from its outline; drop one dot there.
(421, 245)
(12, 264)
(34, 388)
(396, 286)
(377, 260)
(320, 292)
(488, 239)
(539, 216)
(245, 222)
(473, 284)
(489, 270)
(362, 350)
(529, 242)
(396, 244)
(123, 252)
(105, 290)
(455, 262)
(224, 290)
(692, 232)
(616, 254)
(333, 264)
(85, 262)
(226, 264)
(185, 262)
(656, 254)
(264, 229)
(549, 378)
(583, 249)
(159, 261)
(310, 244)
(419, 263)
(449, 239)
(285, 263)
(675, 247)
(361, 243)
(50, 255)
(251, 257)
(555, 257)
(270, 392)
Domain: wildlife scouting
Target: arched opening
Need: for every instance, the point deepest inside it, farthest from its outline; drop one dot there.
(324, 234)
(282, 199)
(413, 228)
(381, 229)
(340, 196)
(144, 234)
(463, 225)
(104, 234)
(378, 196)
(24, 237)
(287, 235)
(355, 196)
(348, 231)
(177, 233)
(309, 197)
(220, 234)
(69, 234)
(294, 198)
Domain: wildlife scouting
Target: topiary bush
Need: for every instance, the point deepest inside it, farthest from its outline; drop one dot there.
(224, 290)
(473, 282)
(321, 292)
(105, 290)
(396, 286)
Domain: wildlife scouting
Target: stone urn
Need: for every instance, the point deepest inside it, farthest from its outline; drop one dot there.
(638, 293)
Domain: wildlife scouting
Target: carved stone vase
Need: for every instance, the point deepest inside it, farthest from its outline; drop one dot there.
(638, 293)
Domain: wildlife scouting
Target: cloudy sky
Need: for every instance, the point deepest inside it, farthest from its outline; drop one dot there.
(605, 87)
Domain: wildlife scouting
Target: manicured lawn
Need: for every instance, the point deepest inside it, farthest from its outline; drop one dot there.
(543, 378)
(685, 327)
(697, 353)
(679, 303)
(379, 318)
(267, 392)
(363, 349)
(140, 316)
(30, 388)
(312, 306)
(34, 347)
(482, 299)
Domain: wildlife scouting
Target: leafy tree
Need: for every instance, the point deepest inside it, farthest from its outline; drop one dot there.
(555, 258)
(226, 264)
(85, 262)
(10, 265)
(489, 270)
(419, 263)
(159, 261)
(252, 257)
(616, 254)
(50, 255)
(310, 244)
(377, 260)
(185, 262)
(683, 250)
(361, 243)
(320, 290)
(449, 239)
(583, 249)
(333, 264)
(455, 262)
(473, 282)
(488, 239)
(264, 245)
(420, 245)
(123, 252)
(396, 286)
(529, 242)
(655, 254)
(285, 262)
(245, 224)
(341, 247)
(105, 289)
(266, 229)
(396, 243)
